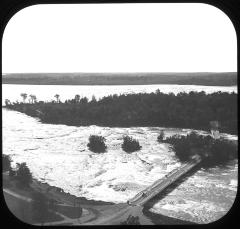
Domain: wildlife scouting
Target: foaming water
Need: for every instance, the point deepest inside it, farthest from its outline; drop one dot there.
(58, 155)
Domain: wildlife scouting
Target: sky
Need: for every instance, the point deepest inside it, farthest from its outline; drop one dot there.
(119, 38)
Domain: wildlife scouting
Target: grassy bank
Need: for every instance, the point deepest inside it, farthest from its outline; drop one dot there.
(192, 110)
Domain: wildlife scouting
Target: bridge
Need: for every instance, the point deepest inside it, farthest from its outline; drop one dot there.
(134, 206)
(142, 197)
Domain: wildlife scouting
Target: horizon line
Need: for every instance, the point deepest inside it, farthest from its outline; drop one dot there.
(115, 72)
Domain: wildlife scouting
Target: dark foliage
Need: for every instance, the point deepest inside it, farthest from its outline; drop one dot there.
(97, 144)
(131, 220)
(6, 162)
(12, 173)
(23, 175)
(222, 152)
(214, 152)
(185, 110)
(130, 145)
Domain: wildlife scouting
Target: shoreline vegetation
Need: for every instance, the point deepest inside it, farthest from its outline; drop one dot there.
(193, 110)
(187, 78)
(213, 152)
(95, 208)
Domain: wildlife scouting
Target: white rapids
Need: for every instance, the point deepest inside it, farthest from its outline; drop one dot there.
(58, 155)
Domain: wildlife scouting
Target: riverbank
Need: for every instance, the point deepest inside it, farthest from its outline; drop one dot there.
(105, 208)
(99, 209)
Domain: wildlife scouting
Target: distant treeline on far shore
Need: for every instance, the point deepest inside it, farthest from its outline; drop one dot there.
(193, 110)
(121, 78)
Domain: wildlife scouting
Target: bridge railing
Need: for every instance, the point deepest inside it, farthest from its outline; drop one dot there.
(151, 191)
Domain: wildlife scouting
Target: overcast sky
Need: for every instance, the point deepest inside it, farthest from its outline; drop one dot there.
(120, 38)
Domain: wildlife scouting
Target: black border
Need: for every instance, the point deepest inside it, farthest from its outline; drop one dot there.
(230, 7)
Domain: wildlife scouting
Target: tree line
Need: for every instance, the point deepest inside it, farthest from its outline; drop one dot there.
(184, 110)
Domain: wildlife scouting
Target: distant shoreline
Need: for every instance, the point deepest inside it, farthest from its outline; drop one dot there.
(201, 78)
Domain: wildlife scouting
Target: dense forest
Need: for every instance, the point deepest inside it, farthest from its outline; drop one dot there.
(184, 110)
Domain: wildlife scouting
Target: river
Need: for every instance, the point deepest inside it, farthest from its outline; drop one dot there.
(58, 155)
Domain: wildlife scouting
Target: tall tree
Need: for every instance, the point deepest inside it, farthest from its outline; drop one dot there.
(77, 98)
(33, 98)
(23, 175)
(24, 96)
(57, 97)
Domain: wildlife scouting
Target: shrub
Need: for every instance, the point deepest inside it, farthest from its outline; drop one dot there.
(213, 151)
(161, 136)
(6, 162)
(130, 145)
(23, 175)
(221, 153)
(97, 144)
(12, 173)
